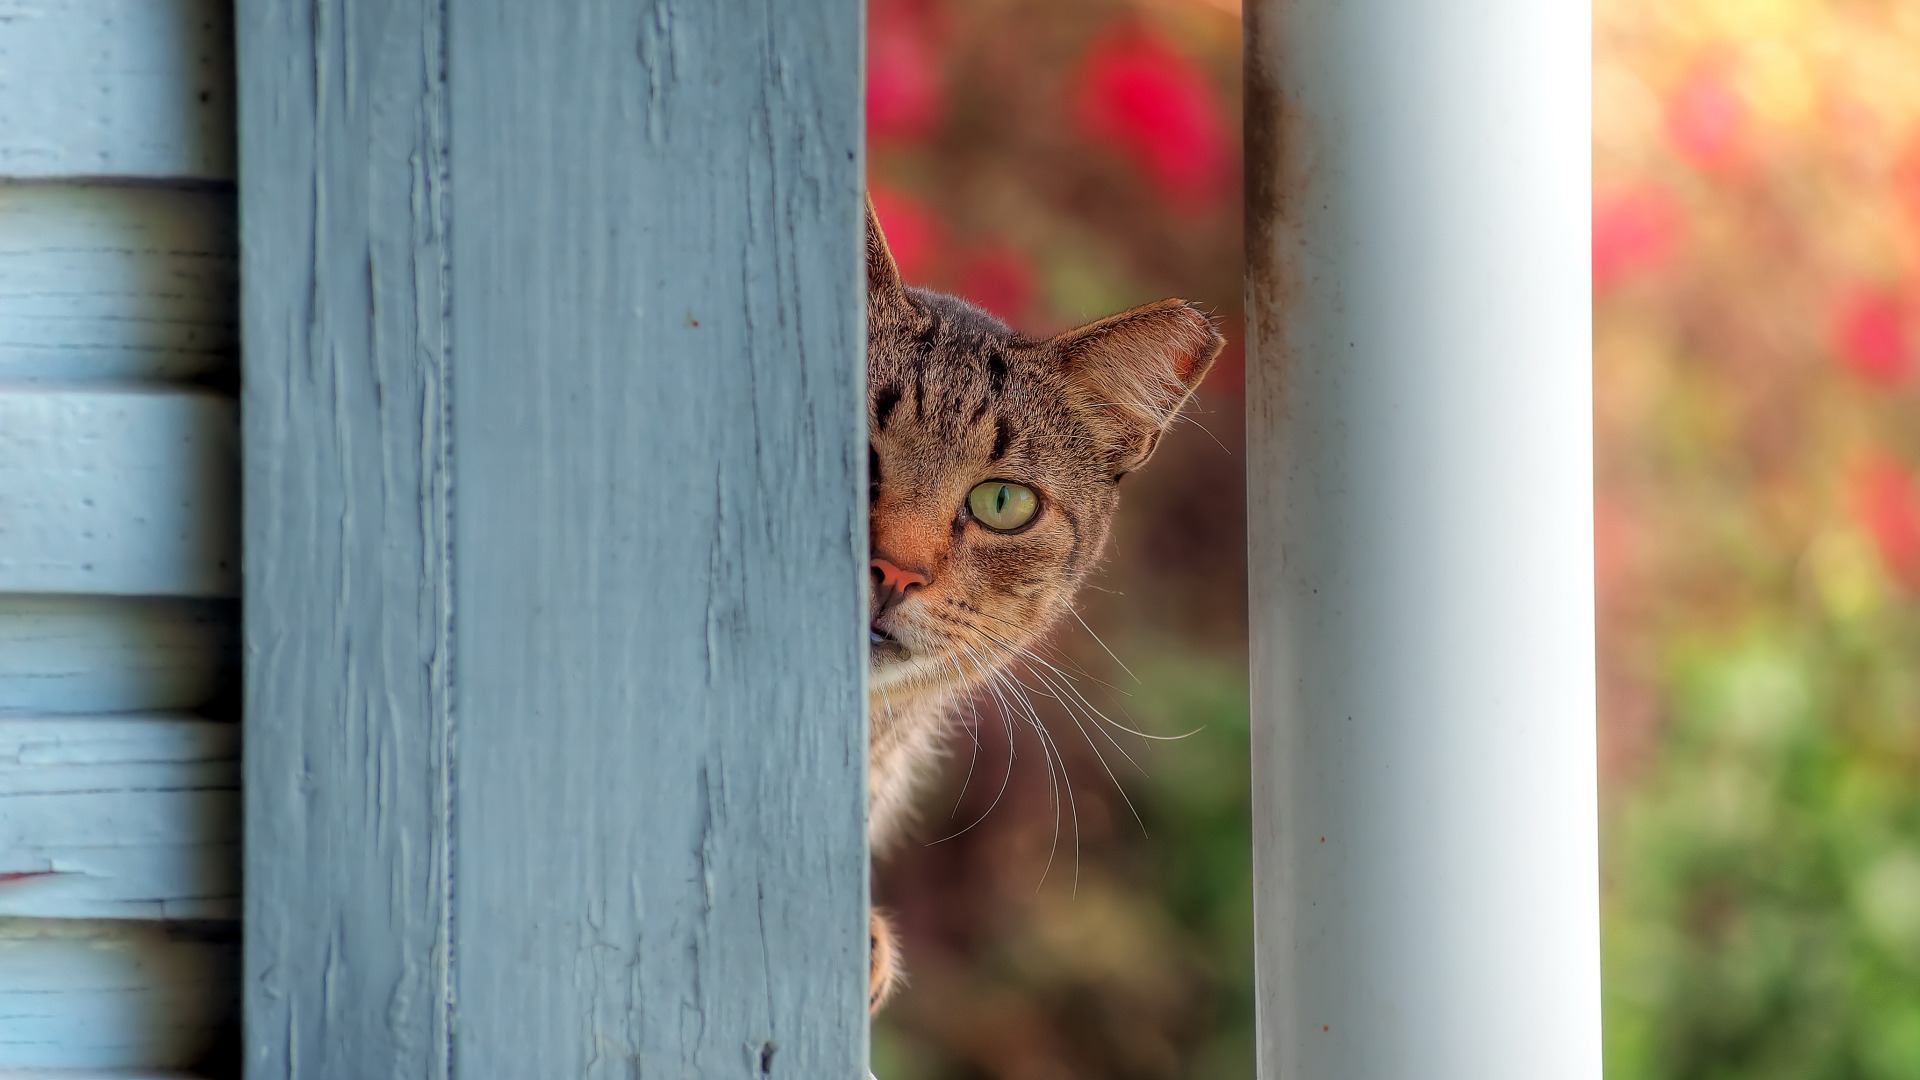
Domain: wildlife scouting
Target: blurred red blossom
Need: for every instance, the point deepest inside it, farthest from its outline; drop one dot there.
(1886, 501)
(1870, 335)
(1134, 91)
(906, 95)
(1633, 230)
(912, 232)
(1000, 279)
(1707, 121)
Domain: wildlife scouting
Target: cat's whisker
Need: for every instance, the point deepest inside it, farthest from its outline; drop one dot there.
(985, 670)
(1056, 783)
(1036, 643)
(1066, 784)
(1007, 726)
(1025, 651)
(1063, 690)
(1072, 687)
(1097, 641)
(1065, 694)
(1102, 758)
(1110, 721)
(1060, 693)
(974, 732)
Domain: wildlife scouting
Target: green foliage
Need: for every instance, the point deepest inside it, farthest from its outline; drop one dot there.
(1763, 915)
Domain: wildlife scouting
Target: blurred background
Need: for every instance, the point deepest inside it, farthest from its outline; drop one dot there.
(1080, 907)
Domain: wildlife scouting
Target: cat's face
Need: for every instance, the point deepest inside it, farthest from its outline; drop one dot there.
(994, 466)
(952, 407)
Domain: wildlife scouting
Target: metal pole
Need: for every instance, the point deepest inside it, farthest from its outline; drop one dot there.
(1420, 464)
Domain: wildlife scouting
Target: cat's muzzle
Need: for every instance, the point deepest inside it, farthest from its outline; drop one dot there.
(882, 648)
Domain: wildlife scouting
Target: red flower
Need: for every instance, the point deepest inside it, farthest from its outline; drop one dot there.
(1707, 121)
(1001, 280)
(1887, 503)
(912, 232)
(1138, 94)
(1870, 336)
(1632, 231)
(905, 93)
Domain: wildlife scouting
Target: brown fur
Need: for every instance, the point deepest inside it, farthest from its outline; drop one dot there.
(956, 398)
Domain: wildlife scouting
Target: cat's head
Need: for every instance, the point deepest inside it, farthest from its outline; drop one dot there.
(995, 462)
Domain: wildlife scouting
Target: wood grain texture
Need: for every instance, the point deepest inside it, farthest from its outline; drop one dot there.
(343, 312)
(138, 88)
(81, 995)
(110, 654)
(116, 281)
(659, 434)
(118, 490)
(554, 546)
(119, 817)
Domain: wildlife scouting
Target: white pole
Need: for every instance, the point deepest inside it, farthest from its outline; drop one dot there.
(1421, 544)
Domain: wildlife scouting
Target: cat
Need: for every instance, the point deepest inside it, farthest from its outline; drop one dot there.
(993, 469)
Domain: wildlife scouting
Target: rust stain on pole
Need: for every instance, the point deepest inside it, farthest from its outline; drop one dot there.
(1279, 161)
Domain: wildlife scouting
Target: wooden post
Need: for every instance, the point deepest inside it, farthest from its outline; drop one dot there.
(554, 432)
(1420, 539)
(119, 562)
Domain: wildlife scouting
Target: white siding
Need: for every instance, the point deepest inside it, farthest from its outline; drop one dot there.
(119, 565)
(119, 88)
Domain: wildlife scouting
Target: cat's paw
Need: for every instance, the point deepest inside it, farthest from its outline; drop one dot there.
(884, 974)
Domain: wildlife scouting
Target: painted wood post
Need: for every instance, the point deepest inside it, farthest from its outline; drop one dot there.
(554, 433)
(119, 568)
(1420, 539)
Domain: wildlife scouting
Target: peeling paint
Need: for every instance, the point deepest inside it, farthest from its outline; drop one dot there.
(558, 593)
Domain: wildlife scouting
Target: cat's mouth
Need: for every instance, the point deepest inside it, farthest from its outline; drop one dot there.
(883, 647)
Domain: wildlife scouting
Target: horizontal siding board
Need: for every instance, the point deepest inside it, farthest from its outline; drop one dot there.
(127, 877)
(136, 88)
(117, 490)
(116, 281)
(84, 995)
(113, 654)
(119, 817)
(119, 814)
(100, 1074)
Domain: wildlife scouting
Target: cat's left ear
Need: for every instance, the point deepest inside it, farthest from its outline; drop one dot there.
(885, 290)
(1137, 369)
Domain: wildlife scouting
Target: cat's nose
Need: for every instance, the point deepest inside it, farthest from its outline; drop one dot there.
(891, 583)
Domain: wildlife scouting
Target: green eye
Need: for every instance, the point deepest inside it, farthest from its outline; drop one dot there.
(1002, 506)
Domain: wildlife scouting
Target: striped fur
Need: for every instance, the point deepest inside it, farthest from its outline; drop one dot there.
(956, 398)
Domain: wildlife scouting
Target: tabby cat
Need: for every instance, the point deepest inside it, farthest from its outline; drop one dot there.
(993, 475)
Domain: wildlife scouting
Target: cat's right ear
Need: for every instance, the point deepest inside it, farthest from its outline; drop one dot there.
(884, 288)
(1136, 369)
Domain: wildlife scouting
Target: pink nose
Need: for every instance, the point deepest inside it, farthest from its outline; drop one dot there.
(891, 583)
